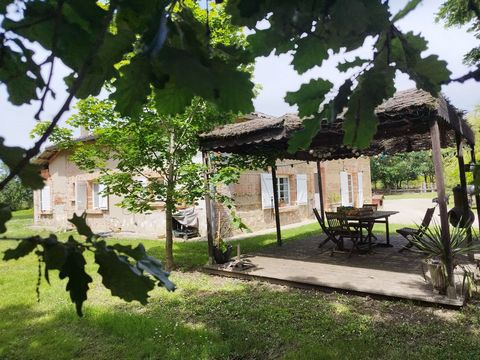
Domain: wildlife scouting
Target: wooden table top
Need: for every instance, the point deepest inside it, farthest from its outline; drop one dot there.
(373, 216)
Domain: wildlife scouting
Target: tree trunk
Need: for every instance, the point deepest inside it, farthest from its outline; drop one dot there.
(169, 207)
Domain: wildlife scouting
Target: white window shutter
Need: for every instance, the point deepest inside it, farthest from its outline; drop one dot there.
(344, 188)
(302, 189)
(45, 199)
(102, 197)
(143, 180)
(267, 191)
(360, 189)
(95, 196)
(81, 195)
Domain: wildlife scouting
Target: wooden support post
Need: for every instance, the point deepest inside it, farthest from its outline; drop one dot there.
(208, 207)
(463, 185)
(275, 204)
(477, 196)
(442, 204)
(320, 190)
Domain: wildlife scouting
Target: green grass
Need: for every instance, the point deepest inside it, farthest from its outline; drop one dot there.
(218, 318)
(426, 195)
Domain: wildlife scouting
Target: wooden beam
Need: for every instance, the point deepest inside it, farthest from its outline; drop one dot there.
(477, 196)
(208, 206)
(275, 204)
(320, 189)
(442, 204)
(463, 185)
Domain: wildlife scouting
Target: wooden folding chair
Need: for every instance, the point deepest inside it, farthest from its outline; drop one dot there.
(374, 207)
(330, 236)
(341, 229)
(369, 226)
(409, 233)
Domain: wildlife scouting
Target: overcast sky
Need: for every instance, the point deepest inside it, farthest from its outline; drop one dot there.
(276, 76)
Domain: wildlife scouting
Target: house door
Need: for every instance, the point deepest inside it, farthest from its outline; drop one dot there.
(346, 188)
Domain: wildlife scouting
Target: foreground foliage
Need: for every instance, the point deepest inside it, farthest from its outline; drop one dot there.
(128, 272)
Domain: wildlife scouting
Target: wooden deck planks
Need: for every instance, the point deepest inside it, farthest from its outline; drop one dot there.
(301, 264)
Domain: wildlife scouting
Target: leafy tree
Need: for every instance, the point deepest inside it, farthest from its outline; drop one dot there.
(464, 12)
(393, 170)
(152, 155)
(422, 162)
(15, 194)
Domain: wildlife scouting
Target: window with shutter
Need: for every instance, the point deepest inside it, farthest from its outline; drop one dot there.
(103, 198)
(345, 189)
(302, 191)
(283, 186)
(81, 195)
(267, 191)
(45, 199)
(99, 198)
(95, 196)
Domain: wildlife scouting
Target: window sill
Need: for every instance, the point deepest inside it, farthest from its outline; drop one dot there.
(287, 208)
(95, 211)
(157, 205)
(46, 213)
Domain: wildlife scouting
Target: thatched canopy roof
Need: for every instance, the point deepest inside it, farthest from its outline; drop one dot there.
(403, 126)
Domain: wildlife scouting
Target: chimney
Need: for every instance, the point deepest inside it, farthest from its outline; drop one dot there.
(84, 132)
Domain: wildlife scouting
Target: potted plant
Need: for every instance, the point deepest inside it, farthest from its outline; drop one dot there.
(334, 200)
(222, 252)
(431, 245)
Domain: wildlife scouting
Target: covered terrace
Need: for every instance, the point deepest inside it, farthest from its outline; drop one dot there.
(411, 120)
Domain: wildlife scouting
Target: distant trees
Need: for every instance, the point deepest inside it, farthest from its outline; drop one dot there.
(15, 194)
(392, 171)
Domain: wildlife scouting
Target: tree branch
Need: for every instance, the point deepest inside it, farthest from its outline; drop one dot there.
(474, 7)
(33, 151)
(475, 75)
(51, 58)
(27, 25)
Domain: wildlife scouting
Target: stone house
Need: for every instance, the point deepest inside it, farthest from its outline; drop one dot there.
(344, 182)
(70, 190)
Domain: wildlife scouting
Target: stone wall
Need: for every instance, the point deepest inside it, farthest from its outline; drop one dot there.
(331, 180)
(248, 192)
(62, 175)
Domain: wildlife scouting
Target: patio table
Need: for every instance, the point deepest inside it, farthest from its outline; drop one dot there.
(372, 218)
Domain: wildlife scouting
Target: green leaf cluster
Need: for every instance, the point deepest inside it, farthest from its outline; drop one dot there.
(129, 273)
(313, 31)
(460, 13)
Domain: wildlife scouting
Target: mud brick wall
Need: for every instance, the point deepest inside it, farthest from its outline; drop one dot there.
(62, 175)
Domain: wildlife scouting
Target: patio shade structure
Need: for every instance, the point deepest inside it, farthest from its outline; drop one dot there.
(411, 120)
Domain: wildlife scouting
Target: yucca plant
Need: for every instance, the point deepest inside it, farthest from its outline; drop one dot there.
(431, 245)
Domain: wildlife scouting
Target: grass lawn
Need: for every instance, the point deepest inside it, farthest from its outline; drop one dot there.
(426, 195)
(218, 318)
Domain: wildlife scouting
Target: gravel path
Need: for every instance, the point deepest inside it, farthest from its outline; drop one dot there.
(412, 210)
